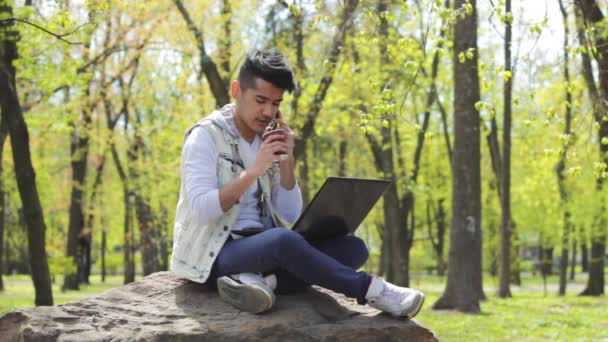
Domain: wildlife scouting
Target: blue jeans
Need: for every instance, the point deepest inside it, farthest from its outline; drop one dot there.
(296, 263)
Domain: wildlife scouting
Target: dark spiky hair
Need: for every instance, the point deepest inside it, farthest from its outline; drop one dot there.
(269, 65)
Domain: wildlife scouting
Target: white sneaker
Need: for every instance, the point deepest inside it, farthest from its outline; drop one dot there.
(246, 291)
(252, 278)
(271, 281)
(395, 300)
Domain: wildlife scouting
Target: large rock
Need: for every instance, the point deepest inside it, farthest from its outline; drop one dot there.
(164, 307)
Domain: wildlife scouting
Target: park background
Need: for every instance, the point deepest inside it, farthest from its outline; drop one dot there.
(490, 118)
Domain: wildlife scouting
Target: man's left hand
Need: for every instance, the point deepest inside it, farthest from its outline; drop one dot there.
(289, 137)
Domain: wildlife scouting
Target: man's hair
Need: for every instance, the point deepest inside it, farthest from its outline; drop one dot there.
(269, 65)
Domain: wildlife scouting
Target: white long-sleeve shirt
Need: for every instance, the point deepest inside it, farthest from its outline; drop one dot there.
(202, 191)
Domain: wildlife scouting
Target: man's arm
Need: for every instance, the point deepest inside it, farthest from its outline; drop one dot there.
(200, 159)
(286, 195)
(288, 177)
(230, 193)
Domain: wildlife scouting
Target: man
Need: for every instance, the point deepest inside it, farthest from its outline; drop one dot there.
(231, 180)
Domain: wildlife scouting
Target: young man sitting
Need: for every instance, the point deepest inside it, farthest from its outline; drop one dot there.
(232, 179)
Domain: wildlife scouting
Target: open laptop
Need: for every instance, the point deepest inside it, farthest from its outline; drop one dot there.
(338, 208)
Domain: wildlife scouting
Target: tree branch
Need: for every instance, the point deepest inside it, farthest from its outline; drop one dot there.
(56, 35)
(326, 80)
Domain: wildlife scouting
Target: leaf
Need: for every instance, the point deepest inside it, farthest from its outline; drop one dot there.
(535, 29)
(470, 54)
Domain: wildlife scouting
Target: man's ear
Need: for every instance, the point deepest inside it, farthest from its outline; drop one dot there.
(235, 88)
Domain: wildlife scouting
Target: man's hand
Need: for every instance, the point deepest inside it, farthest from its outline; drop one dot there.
(289, 137)
(267, 153)
(288, 178)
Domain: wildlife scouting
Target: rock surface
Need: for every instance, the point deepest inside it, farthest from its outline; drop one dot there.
(163, 307)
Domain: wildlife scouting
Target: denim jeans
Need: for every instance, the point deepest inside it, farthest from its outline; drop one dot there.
(296, 263)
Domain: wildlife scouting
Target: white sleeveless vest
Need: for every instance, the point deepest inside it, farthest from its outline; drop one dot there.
(196, 246)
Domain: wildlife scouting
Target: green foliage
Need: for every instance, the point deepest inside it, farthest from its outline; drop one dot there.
(60, 265)
(369, 94)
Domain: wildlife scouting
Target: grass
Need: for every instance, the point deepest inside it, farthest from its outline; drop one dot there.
(529, 316)
(19, 291)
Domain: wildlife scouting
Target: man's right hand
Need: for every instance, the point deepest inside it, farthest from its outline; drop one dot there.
(267, 153)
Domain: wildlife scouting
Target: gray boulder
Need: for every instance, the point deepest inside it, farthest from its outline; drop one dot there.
(164, 307)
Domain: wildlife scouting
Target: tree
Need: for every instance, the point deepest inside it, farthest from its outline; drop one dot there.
(561, 164)
(505, 172)
(597, 43)
(3, 206)
(208, 68)
(396, 239)
(12, 116)
(307, 130)
(464, 288)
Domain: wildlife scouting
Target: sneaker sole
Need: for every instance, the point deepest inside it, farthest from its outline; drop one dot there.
(246, 297)
(418, 307)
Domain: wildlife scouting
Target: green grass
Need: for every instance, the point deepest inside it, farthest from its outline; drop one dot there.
(529, 316)
(19, 291)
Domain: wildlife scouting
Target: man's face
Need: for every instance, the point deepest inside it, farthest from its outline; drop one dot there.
(256, 106)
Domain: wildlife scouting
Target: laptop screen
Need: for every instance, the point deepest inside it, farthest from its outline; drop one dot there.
(339, 207)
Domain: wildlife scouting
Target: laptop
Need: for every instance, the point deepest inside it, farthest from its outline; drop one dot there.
(338, 208)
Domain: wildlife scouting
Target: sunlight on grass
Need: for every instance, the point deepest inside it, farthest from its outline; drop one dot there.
(19, 291)
(528, 316)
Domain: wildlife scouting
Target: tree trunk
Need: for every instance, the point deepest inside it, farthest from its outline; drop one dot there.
(547, 261)
(584, 257)
(12, 116)
(226, 42)
(561, 165)
(383, 262)
(464, 285)
(79, 238)
(104, 239)
(441, 229)
(86, 235)
(592, 15)
(3, 134)
(148, 238)
(515, 257)
(342, 158)
(128, 262)
(492, 229)
(128, 254)
(595, 284)
(438, 243)
(164, 239)
(563, 262)
(79, 149)
(573, 260)
(505, 197)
